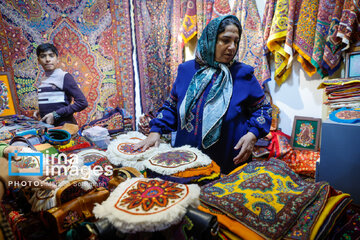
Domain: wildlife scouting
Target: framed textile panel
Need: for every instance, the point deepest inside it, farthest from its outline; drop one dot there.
(352, 65)
(306, 133)
(7, 96)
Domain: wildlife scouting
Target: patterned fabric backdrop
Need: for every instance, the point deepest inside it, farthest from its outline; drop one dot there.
(157, 26)
(90, 38)
(251, 50)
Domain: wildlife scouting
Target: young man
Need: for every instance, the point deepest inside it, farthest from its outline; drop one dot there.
(57, 90)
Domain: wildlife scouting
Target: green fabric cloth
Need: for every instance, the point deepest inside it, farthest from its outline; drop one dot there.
(218, 99)
(2, 147)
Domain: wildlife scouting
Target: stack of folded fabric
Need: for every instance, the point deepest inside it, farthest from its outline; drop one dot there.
(183, 165)
(128, 124)
(267, 200)
(342, 92)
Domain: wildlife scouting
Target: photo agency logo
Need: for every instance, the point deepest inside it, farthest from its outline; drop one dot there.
(56, 165)
(36, 156)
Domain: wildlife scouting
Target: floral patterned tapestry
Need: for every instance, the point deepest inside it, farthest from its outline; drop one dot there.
(92, 38)
(159, 52)
(251, 49)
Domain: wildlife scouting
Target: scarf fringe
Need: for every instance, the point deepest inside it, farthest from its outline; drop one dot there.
(129, 223)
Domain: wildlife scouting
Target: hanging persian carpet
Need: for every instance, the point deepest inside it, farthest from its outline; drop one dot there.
(276, 41)
(157, 27)
(305, 34)
(83, 32)
(124, 72)
(342, 31)
(204, 9)
(207, 10)
(147, 204)
(251, 49)
(326, 8)
(189, 23)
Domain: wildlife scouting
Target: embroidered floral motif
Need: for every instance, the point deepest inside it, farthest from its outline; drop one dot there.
(260, 120)
(160, 115)
(172, 101)
(306, 135)
(71, 218)
(128, 148)
(173, 158)
(151, 195)
(252, 204)
(189, 127)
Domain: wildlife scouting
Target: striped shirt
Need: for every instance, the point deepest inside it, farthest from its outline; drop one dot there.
(56, 93)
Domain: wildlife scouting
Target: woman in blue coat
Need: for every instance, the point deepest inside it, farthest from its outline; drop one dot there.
(216, 104)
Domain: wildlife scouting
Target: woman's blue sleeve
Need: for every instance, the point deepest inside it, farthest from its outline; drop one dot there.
(166, 119)
(260, 110)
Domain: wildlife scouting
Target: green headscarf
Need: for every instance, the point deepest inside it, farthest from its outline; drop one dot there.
(218, 99)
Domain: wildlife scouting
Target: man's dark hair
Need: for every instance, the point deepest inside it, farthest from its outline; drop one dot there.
(226, 22)
(46, 47)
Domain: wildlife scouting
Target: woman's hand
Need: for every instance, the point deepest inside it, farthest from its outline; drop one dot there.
(246, 143)
(48, 118)
(36, 115)
(12, 149)
(152, 140)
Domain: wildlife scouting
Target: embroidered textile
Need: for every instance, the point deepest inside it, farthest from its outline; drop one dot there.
(300, 161)
(198, 171)
(332, 51)
(276, 41)
(119, 40)
(189, 28)
(345, 115)
(305, 34)
(204, 11)
(329, 216)
(112, 121)
(326, 8)
(251, 49)
(294, 9)
(90, 47)
(176, 160)
(262, 196)
(348, 227)
(121, 152)
(266, 24)
(306, 221)
(229, 223)
(349, 23)
(147, 205)
(183, 180)
(76, 142)
(157, 27)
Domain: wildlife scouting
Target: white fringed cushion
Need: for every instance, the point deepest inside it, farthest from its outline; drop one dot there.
(120, 151)
(177, 160)
(147, 204)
